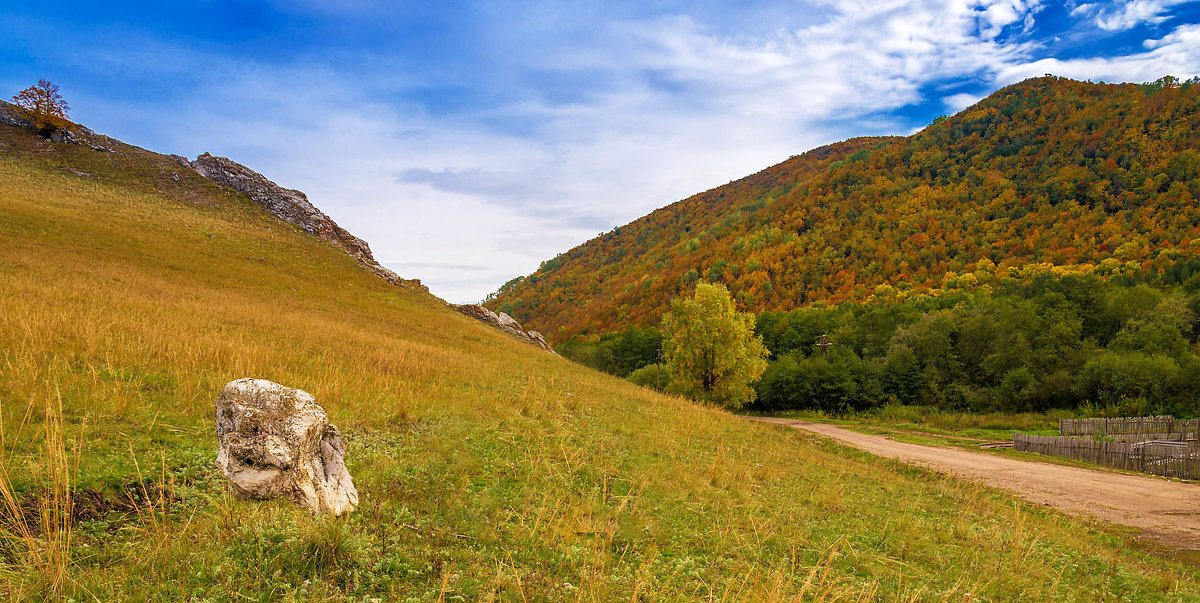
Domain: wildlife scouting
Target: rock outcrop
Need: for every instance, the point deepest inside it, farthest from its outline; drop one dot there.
(289, 205)
(11, 116)
(505, 323)
(277, 442)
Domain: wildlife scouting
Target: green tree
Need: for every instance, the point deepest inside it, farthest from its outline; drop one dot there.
(710, 349)
(43, 104)
(1110, 377)
(832, 384)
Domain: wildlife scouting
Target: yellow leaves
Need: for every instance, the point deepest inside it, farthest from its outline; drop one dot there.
(711, 348)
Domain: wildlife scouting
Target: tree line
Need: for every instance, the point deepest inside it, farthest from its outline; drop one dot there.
(1057, 340)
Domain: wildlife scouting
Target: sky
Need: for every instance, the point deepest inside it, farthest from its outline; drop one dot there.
(467, 142)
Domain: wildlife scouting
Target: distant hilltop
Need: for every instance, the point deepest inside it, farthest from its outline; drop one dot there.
(291, 206)
(288, 205)
(1049, 174)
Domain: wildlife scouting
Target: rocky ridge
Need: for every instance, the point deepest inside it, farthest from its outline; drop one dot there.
(10, 115)
(291, 206)
(505, 323)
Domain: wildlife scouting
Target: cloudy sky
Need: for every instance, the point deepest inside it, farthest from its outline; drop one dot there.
(469, 141)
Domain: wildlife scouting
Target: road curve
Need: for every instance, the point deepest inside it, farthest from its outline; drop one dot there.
(1163, 511)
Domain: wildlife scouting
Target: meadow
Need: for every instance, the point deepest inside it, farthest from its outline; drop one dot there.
(132, 290)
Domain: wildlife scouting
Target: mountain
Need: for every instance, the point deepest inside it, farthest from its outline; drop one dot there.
(132, 288)
(1047, 174)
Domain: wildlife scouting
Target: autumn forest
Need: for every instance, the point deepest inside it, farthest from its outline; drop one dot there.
(1037, 250)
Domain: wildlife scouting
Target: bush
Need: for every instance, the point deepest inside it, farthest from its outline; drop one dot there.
(650, 376)
(835, 384)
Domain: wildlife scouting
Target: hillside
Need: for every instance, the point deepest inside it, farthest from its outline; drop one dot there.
(132, 289)
(1045, 174)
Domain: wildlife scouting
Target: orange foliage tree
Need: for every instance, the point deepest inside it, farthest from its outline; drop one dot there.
(43, 104)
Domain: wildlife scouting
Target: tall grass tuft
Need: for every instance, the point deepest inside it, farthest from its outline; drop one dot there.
(35, 529)
(325, 543)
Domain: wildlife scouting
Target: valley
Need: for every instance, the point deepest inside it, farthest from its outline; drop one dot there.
(487, 469)
(445, 302)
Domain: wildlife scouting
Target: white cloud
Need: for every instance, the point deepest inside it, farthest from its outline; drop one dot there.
(1129, 14)
(1177, 53)
(671, 106)
(831, 70)
(1001, 14)
(957, 102)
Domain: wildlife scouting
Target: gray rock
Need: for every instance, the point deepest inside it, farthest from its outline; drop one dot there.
(538, 340)
(10, 115)
(290, 206)
(277, 442)
(505, 323)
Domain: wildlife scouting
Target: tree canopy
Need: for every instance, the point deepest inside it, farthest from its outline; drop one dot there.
(43, 104)
(710, 349)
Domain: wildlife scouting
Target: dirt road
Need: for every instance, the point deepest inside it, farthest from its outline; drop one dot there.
(1163, 511)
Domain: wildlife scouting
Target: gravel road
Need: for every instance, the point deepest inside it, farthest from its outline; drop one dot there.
(1163, 511)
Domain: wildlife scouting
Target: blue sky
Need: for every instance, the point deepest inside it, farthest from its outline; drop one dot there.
(469, 141)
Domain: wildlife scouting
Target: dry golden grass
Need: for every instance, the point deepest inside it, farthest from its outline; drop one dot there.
(41, 546)
(488, 470)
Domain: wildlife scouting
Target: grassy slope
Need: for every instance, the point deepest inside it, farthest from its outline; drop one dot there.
(487, 469)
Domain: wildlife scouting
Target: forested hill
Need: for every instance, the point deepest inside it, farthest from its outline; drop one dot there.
(1046, 175)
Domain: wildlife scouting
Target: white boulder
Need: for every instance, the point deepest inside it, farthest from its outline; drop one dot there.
(277, 442)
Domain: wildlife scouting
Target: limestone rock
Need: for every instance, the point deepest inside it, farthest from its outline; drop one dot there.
(277, 442)
(505, 323)
(286, 204)
(290, 206)
(11, 115)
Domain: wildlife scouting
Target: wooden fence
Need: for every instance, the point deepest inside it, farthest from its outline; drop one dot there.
(1128, 425)
(1174, 436)
(1172, 459)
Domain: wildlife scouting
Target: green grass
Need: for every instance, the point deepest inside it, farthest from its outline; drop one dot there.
(934, 421)
(487, 470)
